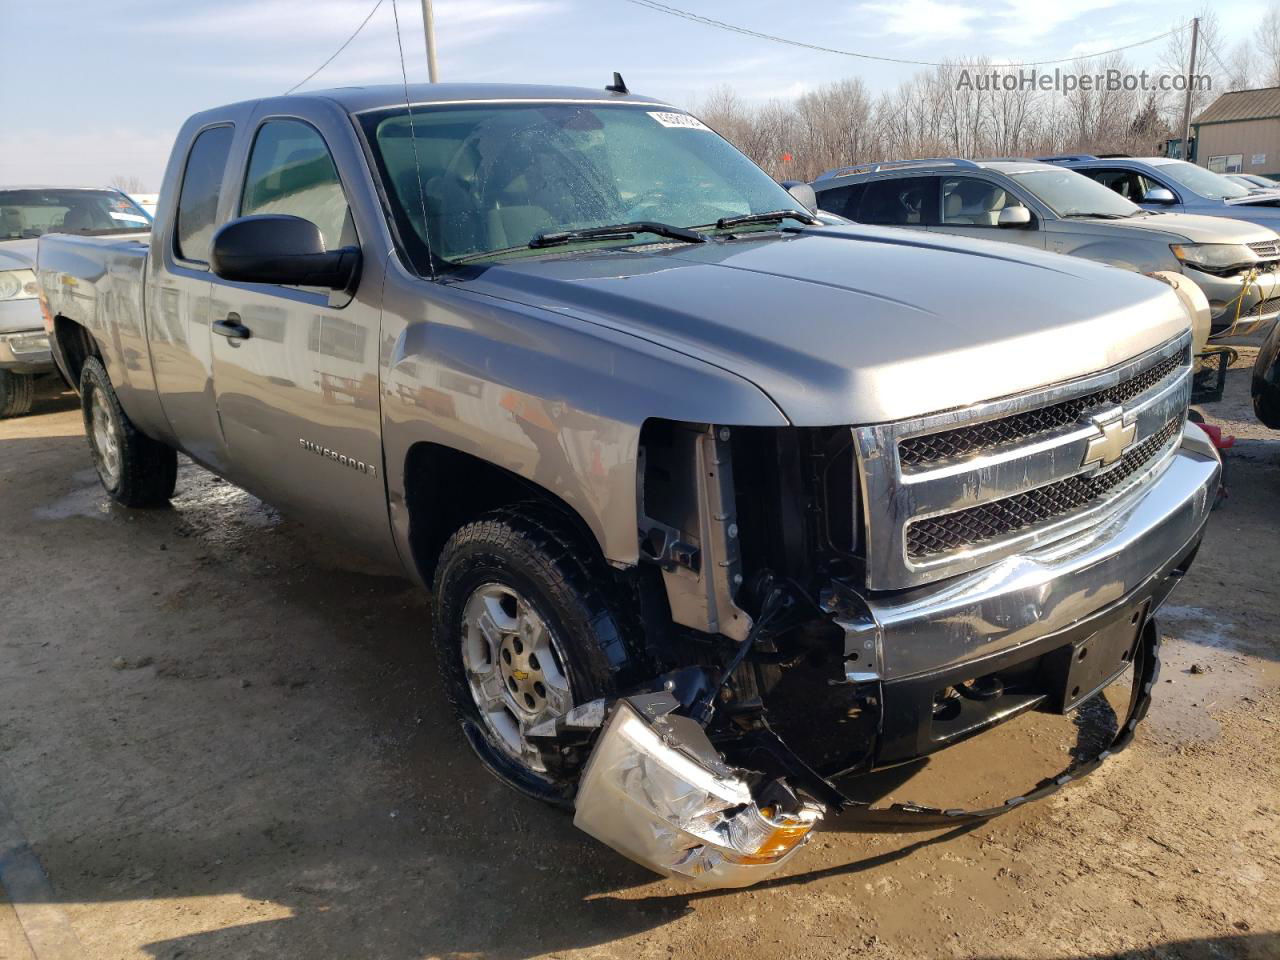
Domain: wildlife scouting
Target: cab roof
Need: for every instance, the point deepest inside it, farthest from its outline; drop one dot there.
(382, 96)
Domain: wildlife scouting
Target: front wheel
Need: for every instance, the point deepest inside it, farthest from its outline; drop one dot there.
(526, 630)
(17, 393)
(136, 470)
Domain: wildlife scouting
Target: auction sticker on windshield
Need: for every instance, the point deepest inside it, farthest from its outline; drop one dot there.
(678, 120)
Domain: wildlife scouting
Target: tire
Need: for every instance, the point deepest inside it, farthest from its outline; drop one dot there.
(134, 469)
(17, 393)
(536, 556)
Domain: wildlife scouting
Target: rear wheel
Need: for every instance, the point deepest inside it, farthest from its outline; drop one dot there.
(17, 393)
(526, 629)
(136, 470)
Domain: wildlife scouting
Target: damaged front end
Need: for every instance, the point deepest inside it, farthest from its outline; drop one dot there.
(782, 665)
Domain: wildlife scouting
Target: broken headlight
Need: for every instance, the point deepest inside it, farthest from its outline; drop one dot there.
(656, 790)
(1214, 256)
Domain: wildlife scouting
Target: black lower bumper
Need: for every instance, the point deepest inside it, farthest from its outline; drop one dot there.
(924, 714)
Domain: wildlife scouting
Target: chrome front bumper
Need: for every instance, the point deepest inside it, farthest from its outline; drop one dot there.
(25, 352)
(1025, 597)
(1232, 297)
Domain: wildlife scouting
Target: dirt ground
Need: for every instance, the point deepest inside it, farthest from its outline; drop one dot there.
(221, 736)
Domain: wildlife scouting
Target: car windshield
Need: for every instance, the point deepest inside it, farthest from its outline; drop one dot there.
(1071, 194)
(495, 177)
(26, 214)
(1202, 181)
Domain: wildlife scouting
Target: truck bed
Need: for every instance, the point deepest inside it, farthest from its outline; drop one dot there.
(99, 282)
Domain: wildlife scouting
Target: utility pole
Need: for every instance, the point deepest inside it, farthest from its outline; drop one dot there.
(1186, 109)
(429, 27)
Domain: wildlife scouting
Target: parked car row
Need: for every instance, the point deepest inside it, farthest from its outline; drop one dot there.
(1235, 262)
(26, 214)
(1253, 183)
(721, 503)
(1156, 216)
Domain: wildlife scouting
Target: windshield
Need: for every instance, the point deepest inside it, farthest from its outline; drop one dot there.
(1068, 194)
(26, 214)
(497, 176)
(1202, 181)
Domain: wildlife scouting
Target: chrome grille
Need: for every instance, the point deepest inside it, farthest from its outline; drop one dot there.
(958, 490)
(1021, 427)
(977, 525)
(1266, 248)
(1265, 307)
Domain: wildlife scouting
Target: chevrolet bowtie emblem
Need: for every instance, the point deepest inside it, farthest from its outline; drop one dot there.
(520, 675)
(1115, 438)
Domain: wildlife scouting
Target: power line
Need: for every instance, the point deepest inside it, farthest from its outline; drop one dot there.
(338, 51)
(1208, 45)
(733, 28)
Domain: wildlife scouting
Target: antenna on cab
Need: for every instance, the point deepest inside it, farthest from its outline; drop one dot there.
(619, 85)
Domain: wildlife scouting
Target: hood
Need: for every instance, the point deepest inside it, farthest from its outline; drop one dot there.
(1267, 198)
(1266, 214)
(857, 325)
(1196, 228)
(16, 254)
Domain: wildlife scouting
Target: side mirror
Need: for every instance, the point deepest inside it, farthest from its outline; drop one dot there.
(279, 249)
(1014, 217)
(1159, 195)
(801, 191)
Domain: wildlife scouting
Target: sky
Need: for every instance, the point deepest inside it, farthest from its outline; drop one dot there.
(92, 89)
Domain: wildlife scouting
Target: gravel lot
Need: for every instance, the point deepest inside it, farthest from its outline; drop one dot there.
(221, 736)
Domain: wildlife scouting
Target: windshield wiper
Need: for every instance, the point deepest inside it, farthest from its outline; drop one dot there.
(770, 217)
(1097, 216)
(620, 231)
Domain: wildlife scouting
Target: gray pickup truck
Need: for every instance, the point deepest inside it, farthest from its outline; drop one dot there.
(27, 213)
(718, 503)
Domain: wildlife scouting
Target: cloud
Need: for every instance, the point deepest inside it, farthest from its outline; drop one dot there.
(923, 20)
(464, 21)
(1022, 22)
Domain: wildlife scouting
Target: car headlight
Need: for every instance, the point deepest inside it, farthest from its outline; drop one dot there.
(17, 285)
(656, 790)
(1215, 256)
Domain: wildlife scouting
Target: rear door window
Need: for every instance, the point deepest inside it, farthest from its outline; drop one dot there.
(291, 171)
(842, 200)
(901, 202)
(201, 187)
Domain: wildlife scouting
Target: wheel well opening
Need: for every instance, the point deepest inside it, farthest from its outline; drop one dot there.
(446, 488)
(77, 345)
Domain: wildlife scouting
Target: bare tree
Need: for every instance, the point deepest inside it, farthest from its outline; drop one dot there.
(1268, 47)
(127, 183)
(967, 108)
(1175, 60)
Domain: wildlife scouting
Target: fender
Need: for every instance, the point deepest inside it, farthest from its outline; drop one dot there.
(551, 398)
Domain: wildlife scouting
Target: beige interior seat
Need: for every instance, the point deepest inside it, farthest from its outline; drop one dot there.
(11, 224)
(953, 210)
